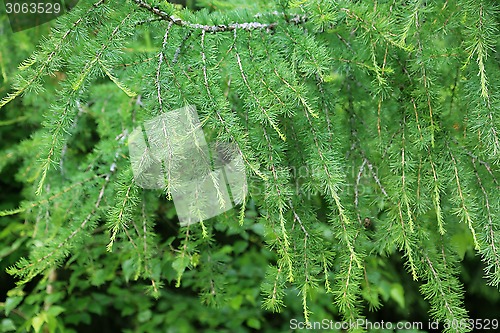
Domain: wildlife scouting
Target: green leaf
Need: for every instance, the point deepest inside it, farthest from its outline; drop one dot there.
(11, 303)
(397, 294)
(236, 302)
(38, 321)
(55, 310)
(179, 265)
(144, 316)
(128, 268)
(7, 325)
(253, 323)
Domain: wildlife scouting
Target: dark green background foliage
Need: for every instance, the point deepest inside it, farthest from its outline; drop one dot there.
(370, 136)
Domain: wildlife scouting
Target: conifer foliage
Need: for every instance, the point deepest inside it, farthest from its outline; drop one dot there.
(367, 129)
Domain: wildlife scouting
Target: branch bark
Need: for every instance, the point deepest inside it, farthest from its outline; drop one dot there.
(297, 19)
(209, 28)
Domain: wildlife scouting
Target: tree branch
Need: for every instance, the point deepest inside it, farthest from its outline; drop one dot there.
(209, 28)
